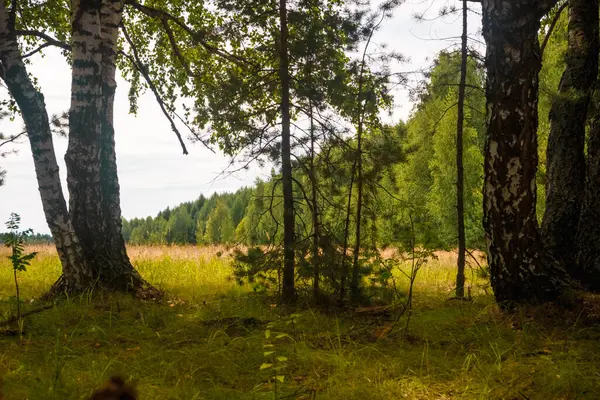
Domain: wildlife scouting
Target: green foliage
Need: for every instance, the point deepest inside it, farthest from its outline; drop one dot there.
(19, 259)
(261, 269)
(553, 65)
(219, 226)
(179, 226)
(426, 182)
(441, 199)
(15, 240)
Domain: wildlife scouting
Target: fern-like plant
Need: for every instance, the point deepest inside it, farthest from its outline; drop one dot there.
(20, 260)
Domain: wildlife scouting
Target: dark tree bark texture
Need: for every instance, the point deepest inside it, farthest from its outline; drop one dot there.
(288, 287)
(588, 261)
(565, 152)
(519, 271)
(460, 171)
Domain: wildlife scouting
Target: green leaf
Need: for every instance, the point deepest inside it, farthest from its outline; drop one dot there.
(268, 353)
(268, 333)
(265, 366)
(282, 358)
(280, 378)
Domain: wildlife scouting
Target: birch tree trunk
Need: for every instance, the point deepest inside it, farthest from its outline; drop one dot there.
(83, 152)
(91, 161)
(519, 270)
(111, 15)
(288, 288)
(565, 152)
(33, 110)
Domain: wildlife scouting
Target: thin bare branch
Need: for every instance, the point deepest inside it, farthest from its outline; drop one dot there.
(49, 39)
(139, 65)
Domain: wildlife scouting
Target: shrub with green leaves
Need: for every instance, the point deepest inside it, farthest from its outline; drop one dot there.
(20, 260)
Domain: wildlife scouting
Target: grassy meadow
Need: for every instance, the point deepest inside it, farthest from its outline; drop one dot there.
(209, 338)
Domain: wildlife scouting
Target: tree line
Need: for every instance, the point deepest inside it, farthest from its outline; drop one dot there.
(415, 177)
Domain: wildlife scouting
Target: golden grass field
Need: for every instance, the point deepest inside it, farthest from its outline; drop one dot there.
(208, 340)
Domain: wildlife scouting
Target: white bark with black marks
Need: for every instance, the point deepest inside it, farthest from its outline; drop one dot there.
(91, 158)
(33, 110)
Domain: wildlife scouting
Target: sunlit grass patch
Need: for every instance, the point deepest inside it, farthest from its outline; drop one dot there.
(207, 338)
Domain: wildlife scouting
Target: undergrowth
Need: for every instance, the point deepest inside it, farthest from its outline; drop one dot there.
(209, 338)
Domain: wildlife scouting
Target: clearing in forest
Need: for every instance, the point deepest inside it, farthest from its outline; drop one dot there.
(210, 338)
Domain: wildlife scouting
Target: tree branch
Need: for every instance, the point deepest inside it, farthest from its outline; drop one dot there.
(171, 36)
(553, 25)
(37, 50)
(49, 39)
(12, 16)
(139, 65)
(12, 139)
(197, 36)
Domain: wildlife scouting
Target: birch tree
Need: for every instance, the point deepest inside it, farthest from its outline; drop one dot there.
(35, 116)
(518, 266)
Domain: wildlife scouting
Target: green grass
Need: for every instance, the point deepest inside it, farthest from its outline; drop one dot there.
(205, 341)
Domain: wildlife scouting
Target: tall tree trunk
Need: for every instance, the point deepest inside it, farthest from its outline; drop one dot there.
(360, 117)
(460, 171)
(33, 110)
(83, 152)
(565, 152)
(91, 162)
(518, 269)
(316, 259)
(344, 271)
(355, 283)
(110, 18)
(588, 261)
(288, 290)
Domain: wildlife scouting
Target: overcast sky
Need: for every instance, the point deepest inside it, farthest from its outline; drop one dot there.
(153, 173)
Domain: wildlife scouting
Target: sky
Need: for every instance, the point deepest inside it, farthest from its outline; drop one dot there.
(153, 172)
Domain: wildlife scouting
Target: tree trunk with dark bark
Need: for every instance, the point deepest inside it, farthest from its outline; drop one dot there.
(356, 275)
(460, 172)
(519, 270)
(565, 152)
(288, 289)
(344, 268)
(316, 234)
(33, 110)
(588, 259)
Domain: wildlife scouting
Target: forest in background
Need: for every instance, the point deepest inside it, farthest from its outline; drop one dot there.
(413, 173)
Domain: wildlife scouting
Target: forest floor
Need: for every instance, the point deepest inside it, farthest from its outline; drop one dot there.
(209, 338)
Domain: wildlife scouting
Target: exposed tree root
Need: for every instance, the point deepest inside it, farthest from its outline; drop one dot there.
(131, 283)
